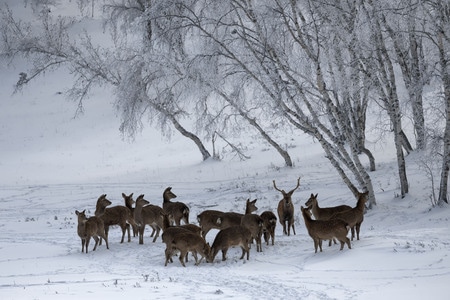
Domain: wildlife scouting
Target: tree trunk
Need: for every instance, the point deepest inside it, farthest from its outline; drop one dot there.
(205, 153)
(284, 154)
(443, 187)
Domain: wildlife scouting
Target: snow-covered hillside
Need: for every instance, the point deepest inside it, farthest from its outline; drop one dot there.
(53, 164)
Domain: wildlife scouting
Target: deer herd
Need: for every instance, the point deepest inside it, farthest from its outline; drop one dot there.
(235, 229)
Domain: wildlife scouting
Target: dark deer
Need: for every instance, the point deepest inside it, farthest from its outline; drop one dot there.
(269, 224)
(129, 203)
(90, 227)
(254, 223)
(324, 213)
(286, 209)
(320, 230)
(176, 211)
(116, 215)
(355, 216)
(214, 219)
(171, 231)
(231, 237)
(147, 214)
(187, 241)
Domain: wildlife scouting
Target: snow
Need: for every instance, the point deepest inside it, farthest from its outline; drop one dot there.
(53, 164)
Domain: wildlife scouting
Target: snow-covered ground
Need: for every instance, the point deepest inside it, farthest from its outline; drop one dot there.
(52, 164)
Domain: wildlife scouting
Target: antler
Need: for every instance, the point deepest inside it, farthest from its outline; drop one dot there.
(298, 184)
(275, 186)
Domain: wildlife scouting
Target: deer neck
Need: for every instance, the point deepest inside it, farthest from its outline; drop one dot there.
(99, 210)
(166, 199)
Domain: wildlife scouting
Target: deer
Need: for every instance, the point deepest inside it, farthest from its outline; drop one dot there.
(254, 223)
(269, 224)
(90, 227)
(129, 203)
(147, 214)
(355, 216)
(176, 211)
(169, 233)
(214, 219)
(286, 209)
(116, 215)
(324, 213)
(231, 237)
(186, 241)
(320, 230)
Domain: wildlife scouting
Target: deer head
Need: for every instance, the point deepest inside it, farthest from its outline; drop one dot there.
(167, 194)
(287, 196)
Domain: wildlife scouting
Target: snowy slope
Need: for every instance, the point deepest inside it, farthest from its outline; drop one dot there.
(53, 164)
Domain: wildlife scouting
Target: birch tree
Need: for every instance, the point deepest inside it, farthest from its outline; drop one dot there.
(380, 68)
(136, 69)
(267, 43)
(439, 34)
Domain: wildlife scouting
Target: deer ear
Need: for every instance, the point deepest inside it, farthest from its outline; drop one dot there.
(316, 195)
(254, 201)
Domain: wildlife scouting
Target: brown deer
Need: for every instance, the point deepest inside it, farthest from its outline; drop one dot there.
(188, 242)
(129, 203)
(116, 215)
(231, 237)
(176, 211)
(90, 227)
(286, 209)
(254, 223)
(171, 231)
(355, 216)
(324, 213)
(269, 224)
(320, 230)
(214, 219)
(147, 214)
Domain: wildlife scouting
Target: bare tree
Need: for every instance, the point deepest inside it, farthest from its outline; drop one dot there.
(144, 84)
(379, 68)
(441, 13)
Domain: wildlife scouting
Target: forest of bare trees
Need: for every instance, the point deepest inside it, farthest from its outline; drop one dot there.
(313, 66)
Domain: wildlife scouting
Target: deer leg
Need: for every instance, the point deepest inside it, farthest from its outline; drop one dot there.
(106, 241)
(96, 242)
(358, 226)
(316, 245)
(128, 230)
(141, 234)
(157, 234)
(106, 232)
(168, 254)
(194, 254)
(347, 240)
(153, 230)
(224, 254)
(87, 243)
(182, 255)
